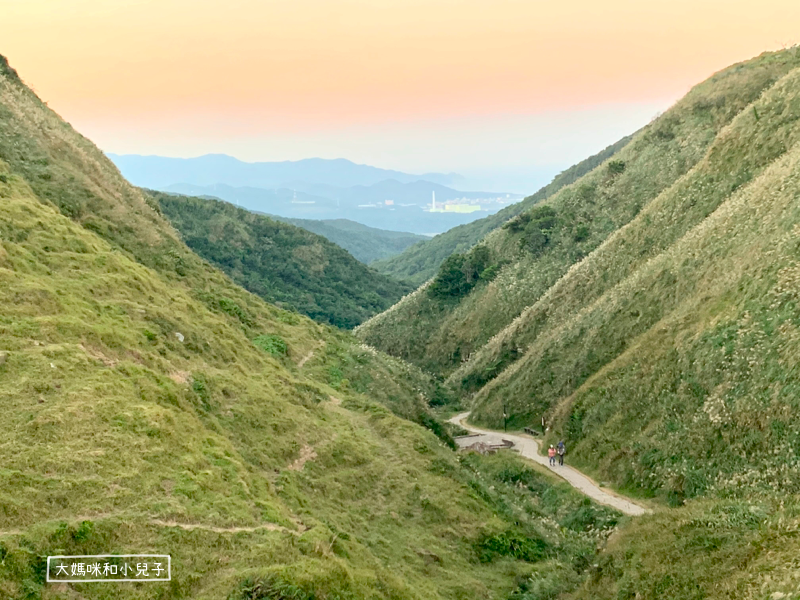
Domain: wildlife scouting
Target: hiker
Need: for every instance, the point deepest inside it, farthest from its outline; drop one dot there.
(562, 450)
(551, 452)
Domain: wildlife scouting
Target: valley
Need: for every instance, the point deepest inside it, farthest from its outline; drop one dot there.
(181, 376)
(282, 263)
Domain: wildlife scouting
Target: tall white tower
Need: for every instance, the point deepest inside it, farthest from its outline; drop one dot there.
(433, 208)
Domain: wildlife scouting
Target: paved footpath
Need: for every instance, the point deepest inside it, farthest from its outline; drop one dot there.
(529, 448)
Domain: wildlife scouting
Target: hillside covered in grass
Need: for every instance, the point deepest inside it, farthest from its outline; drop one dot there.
(281, 262)
(648, 310)
(151, 405)
(649, 313)
(447, 326)
(694, 304)
(421, 261)
(367, 244)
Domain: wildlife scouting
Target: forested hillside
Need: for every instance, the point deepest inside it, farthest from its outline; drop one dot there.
(367, 244)
(282, 263)
(420, 262)
(153, 406)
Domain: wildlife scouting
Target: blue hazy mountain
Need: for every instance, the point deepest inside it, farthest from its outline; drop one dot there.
(389, 205)
(158, 172)
(318, 189)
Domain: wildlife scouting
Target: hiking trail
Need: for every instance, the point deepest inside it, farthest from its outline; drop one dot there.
(310, 355)
(529, 448)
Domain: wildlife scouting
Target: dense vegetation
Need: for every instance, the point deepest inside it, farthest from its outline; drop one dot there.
(367, 244)
(282, 263)
(421, 261)
(462, 272)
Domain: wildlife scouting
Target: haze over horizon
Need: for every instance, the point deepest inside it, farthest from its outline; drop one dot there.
(505, 98)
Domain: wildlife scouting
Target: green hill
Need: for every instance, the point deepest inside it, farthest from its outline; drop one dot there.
(665, 331)
(649, 312)
(153, 406)
(367, 244)
(477, 295)
(692, 303)
(421, 261)
(282, 263)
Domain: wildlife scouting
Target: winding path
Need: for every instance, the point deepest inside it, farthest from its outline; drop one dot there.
(310, 355)
(529, 448)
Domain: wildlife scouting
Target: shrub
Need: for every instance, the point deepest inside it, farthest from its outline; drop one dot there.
(581, 233)
(616, 167)
(543, 220)
(450, 281)
(511, 543)
(518, 223)
(460, 273)
(272, 344)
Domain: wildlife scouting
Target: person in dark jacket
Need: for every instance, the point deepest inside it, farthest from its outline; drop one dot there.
(562, 450)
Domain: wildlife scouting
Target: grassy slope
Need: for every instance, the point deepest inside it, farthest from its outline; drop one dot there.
(736, 156)
(732, 549)
(117, 431)
(439, 334)
(679, 378)
(420, 262)
(668, 358)
(367, 244)
(280, 262)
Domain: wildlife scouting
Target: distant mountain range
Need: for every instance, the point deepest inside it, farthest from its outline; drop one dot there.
(419, 262)
(317, 189)
(159, 171)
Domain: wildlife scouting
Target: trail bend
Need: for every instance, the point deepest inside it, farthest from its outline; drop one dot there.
(529, 448)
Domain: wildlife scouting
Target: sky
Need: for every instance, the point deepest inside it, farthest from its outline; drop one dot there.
(490, 88)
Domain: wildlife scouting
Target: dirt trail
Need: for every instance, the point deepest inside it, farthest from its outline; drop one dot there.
(308, 356)
(529, 448)
(193, 526)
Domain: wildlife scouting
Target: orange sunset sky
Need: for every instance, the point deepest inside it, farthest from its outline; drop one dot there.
(410, 84)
